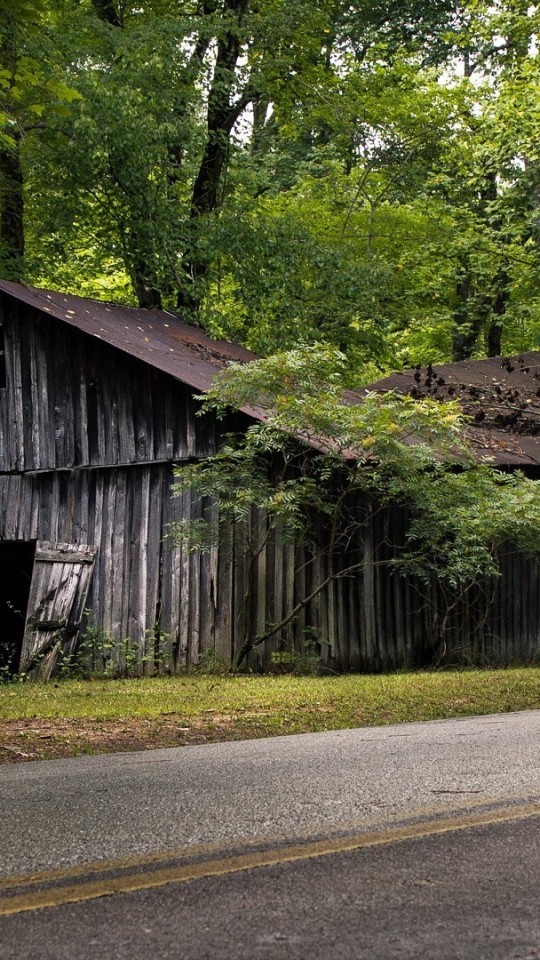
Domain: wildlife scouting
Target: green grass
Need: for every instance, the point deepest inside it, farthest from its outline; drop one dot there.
(280, 704)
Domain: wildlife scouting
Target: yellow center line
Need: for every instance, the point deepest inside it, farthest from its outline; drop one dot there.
(254, 859)
(350, 827)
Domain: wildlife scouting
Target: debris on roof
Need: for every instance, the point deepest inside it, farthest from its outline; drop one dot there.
(500, 396)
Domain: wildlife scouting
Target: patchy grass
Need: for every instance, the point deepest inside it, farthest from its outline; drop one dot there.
(71, 717)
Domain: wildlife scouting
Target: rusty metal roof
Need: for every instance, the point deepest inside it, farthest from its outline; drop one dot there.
(501, 397)
(156, 337)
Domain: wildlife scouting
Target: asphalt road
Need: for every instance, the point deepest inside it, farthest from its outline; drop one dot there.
(417, 841)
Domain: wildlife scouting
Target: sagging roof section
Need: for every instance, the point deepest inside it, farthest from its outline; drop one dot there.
(501, 397)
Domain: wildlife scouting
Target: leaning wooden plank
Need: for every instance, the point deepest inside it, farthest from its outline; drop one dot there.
(57, 597)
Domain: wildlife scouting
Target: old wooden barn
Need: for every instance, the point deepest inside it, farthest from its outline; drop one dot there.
(96, 406)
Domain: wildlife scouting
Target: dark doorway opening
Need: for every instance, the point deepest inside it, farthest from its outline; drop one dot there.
(16, 565)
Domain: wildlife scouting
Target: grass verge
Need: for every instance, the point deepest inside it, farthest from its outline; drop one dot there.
(72, 717)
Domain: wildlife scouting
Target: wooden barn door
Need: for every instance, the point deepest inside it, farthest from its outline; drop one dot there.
(58, 591)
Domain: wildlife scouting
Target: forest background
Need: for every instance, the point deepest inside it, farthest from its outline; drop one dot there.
(361, 174)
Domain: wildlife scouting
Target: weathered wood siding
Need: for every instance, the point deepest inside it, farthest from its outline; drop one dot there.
(73, 401)
(374, 619)
(164, 608)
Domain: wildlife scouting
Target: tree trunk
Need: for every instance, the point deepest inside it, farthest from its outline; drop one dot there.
(467, 322)
(500, 303)
(106, 11)
(221, 117)
(11, 212)
(11, 174)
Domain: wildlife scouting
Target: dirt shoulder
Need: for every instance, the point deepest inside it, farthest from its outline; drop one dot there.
(37, 739)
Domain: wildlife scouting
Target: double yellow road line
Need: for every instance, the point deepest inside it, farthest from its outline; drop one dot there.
(55, 888)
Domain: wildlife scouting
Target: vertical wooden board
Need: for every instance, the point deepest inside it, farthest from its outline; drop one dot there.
(4, 480)
(323, 599)
(224, 598)
(315, 573)
(350, 643)
(82, 452)
(64, 389)
(493, 618)
(80, 523)
(194, 599)
(260, 574)
(124, 390)
(534, 611)
(95, 527)
(4, 428)
(288, 590)
(328, 601)
(184, 590)
(207, 608)
(270, 575)
(99, 419)
(25, 387)
(534, 587)
(526, 569)
(4, 431)
(17, 418)
(204, 427)
(137, 615)
(158, 409)
(142, 403)
(55, 508)
(153, 559)
(167, 415)
(255, 587)
(383, 652)
(136, 558)
(505, 585)
(27, 507)
(162, 640)
(31, 397)
(240, 618)
(175, 412)
(388, 549)
(11, 506)
(191, 431)
(301, 633)
(45, 497)
(69, 516)
(112, 419)
(106, 561)
(208, 587)
(20, 508)
(369, 612)
(119, 605)
(8, 457)
(171, 579)
(526, 585)
(278, 578)
(341, 625)
(45, 395)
